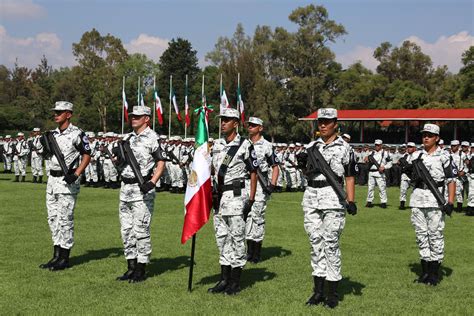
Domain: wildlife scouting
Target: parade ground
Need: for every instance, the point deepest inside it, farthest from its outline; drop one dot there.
(380, 262)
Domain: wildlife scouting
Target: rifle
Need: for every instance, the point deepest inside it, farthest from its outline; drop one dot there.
(127, 153)
(374, 162)
(173, 157)
(425, 176)
(263, 179)
(51, 146)
(318, 162)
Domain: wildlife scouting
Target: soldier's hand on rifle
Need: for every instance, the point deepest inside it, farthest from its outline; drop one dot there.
(381, 169)
(352, 208)
(70, 178)
(147, 186)
(448, 208)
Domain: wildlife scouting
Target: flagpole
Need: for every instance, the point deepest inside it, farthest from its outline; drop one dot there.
(153, 102)
(123, 105)
(185, 97)
(220, 104)
(238, 99)
(169, 116)
(190, 280)
(138, 92)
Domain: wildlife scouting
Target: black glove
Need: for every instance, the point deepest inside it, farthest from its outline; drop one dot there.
(352, 208)
(448, 209)
(70, 178)
(147, 186)
(247, 208)
(271, 188)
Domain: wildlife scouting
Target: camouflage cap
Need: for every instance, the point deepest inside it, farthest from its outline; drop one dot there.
(327, 113)
(62, 106)
(141, 110)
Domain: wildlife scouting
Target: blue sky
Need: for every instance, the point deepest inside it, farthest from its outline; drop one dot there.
(31, 28)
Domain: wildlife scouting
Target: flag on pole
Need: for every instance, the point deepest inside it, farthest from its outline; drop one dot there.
(142, 102)
(187, 117)
(125, 105)
(175, 104)
(198, 198)
(158, 108)
(224, 100)
(240, 105)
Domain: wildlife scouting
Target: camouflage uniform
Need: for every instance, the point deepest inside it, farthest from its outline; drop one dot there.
(20, 158)
(61, 197)
(91, 169)
(136, 208)
(405, 180)
(7, 154)
(229, 223)
(324, 215)
(458, 160)
(36, 157)
(290, 169)
(110, 172)
(378, 179)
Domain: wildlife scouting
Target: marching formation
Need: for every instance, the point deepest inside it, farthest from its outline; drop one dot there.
(245, 173)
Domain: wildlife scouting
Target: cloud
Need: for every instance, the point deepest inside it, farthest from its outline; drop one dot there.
(151, 46)
(446, 50)
(20, 9)
(30, 50)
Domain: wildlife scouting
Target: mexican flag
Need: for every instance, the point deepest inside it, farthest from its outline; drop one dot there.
(158, 108)
(125, 105)
(224, 101)
(198, 198)
(175, 104)
(187, 117)
(240, 105)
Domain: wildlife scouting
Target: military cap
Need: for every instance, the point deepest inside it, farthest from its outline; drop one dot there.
(230, 112)
(378, 142)
(255, 120)
(431, 128)
(141, 110)
(465, 143)
(62, 106)
(327, 113)
(454, 142)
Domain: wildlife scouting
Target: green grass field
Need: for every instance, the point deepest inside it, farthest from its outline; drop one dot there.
(380, 262)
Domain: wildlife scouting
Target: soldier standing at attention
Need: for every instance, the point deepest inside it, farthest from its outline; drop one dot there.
(458, 159)
(427, 215)
(324, 214)
(62, 189)
(255, 225)
(137, 201)
(377, 175)
(233, 159)
(405, 161)
(20, 156)
(37, 156)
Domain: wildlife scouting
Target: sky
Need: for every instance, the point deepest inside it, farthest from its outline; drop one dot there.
(29, 29)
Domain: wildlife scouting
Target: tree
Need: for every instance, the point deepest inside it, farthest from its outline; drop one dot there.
(467, 75)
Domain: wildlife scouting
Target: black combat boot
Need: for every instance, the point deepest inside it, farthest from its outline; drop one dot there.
(250, 247)
(53, 260)
(63, 261)
(383, 205)
(223, 282)
(318, 292)
(369, 205)
(40, 179)
(87, 184)
(333, 298)
(131, 264)
(424, 272)
(402, 206)
(17, 179)
(459, 208)
(234, 285)
(138, 274)
(433, 273)
(256, 252)
(22, 179)
(34, 179)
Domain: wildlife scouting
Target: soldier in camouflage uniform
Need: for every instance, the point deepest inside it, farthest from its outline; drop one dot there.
(137, 201)
(377, 176)
(255, 224)
(20, 156)
(458, 159)
(324, 213)
(62, 190)
(37, 156)
(405, 161)
(7, 154)
(427, 217)
(92, 178)
(233, 200)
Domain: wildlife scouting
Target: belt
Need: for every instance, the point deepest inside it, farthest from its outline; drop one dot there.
(135, 180)
(423, 186)
(230, 187)
(318, 184)
(59, 173)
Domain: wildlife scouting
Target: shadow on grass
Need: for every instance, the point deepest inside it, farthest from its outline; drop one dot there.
(270, 252)
(162, 265)
(92, 255)
(416, 269)
(349, 287)
(249, 277)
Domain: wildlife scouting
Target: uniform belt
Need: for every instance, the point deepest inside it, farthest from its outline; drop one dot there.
(423, 186)
(59, 173)
(230, 187)
(135, 180)
(318, 183)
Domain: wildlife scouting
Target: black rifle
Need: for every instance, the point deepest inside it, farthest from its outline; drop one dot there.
(126, 151)
(426, 178)
(173, 157)
(51, 146)
(318, 162)
(372, 160)
(263, 179)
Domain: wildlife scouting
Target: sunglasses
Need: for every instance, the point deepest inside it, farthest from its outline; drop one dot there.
(429, 135)
(253, 125)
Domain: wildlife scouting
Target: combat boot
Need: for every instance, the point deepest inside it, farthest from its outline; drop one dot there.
(333, 298)
(223, 282)
(383, 205)
(250, 247)
(318, 292)
(40, 179)
(138, 274)
(131, 264)
(87, 184)
(22, 179)
(63, 261)
(459, 208)
(53, 260)
(424, 272)
(17, 179)
(433, 273)
(402, 206)
(34, 179)
(369, 205)
(234, 285)
(256, 252)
